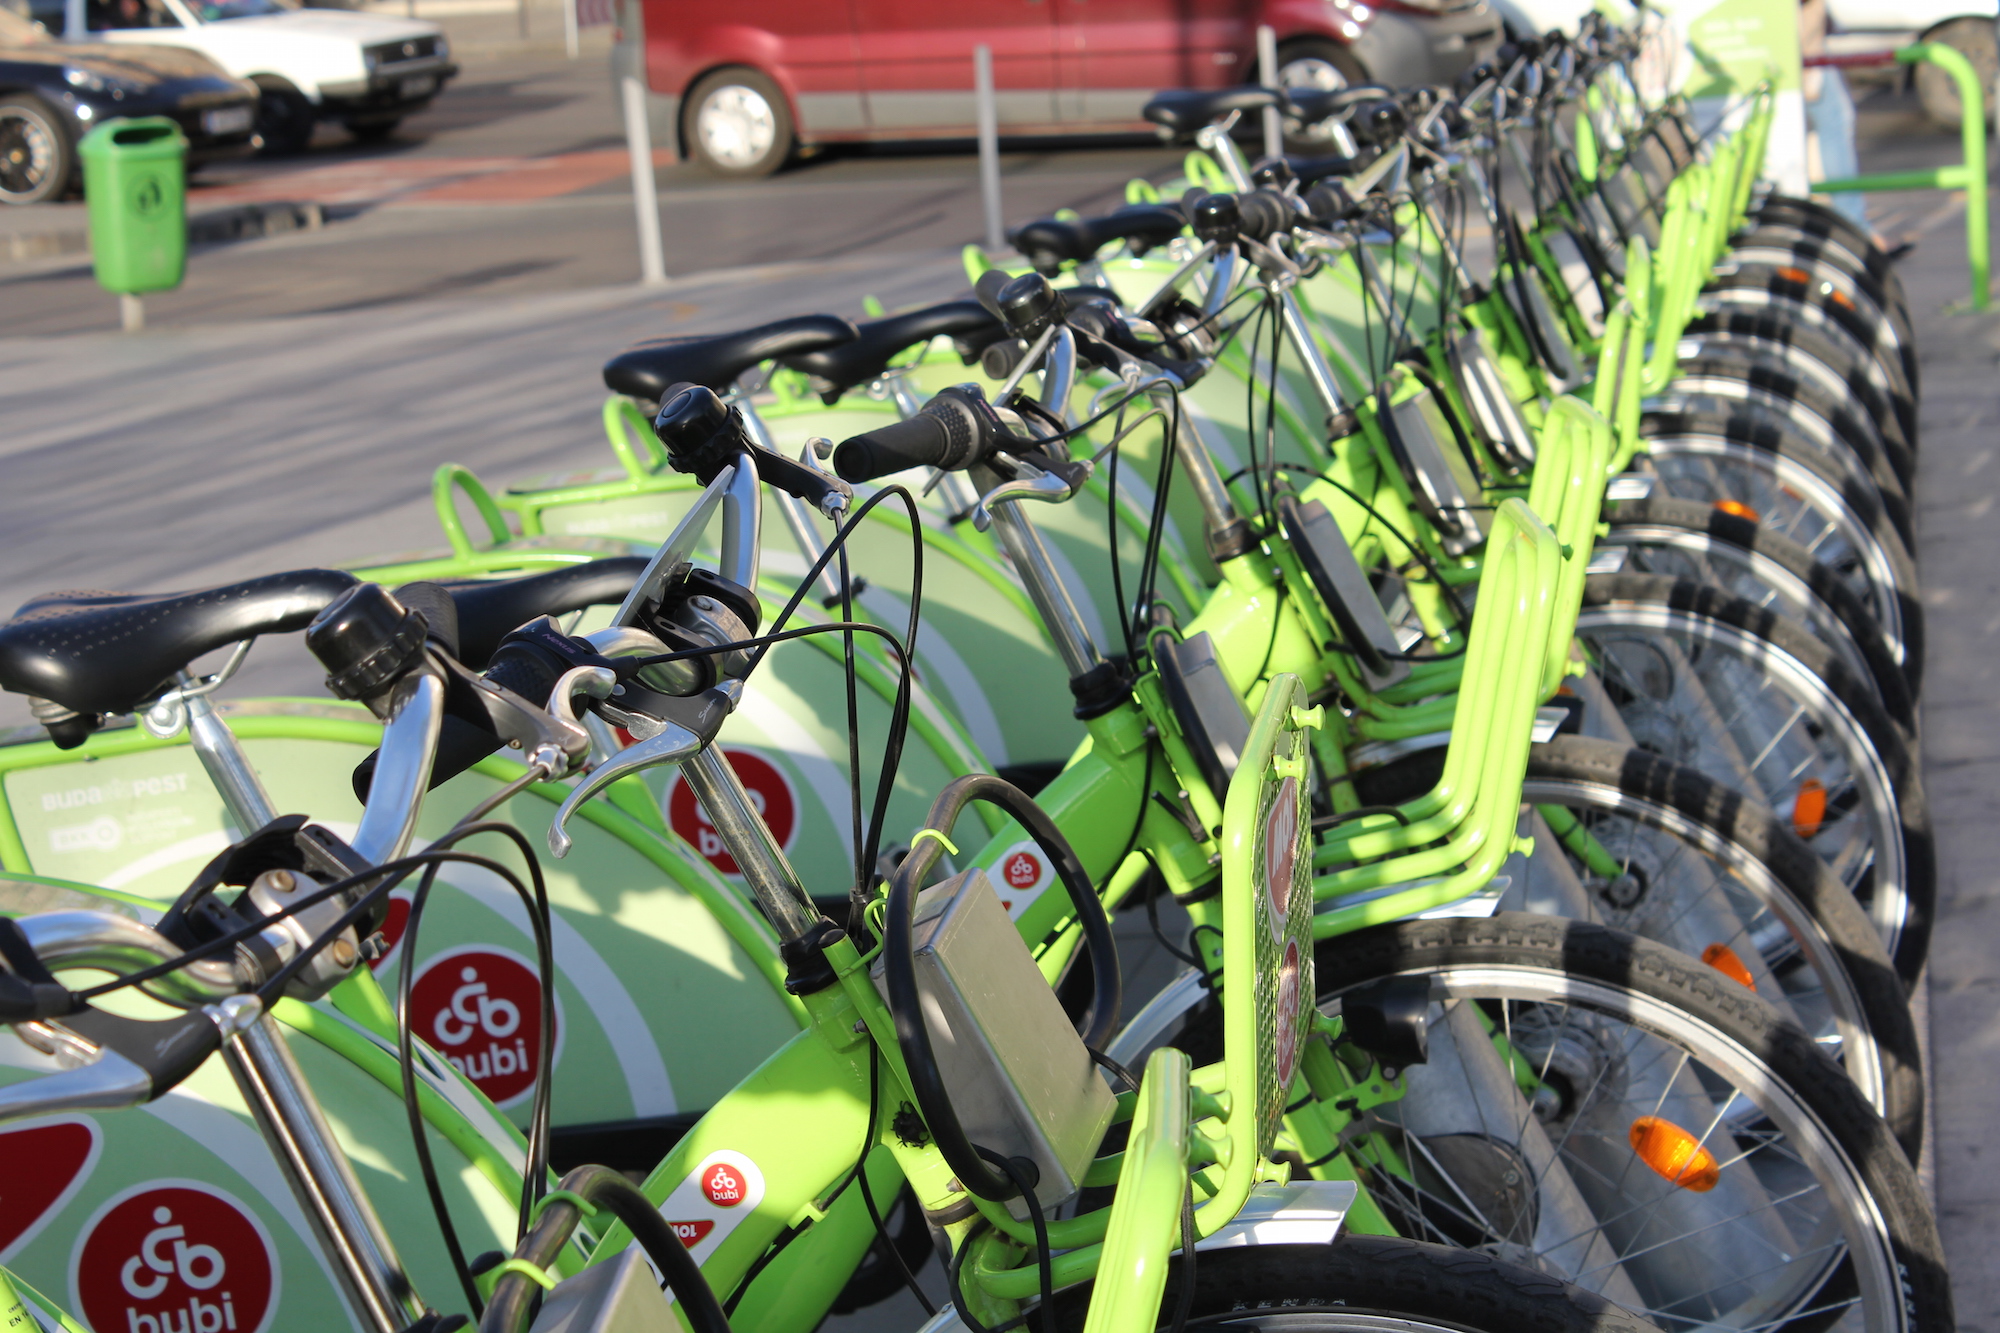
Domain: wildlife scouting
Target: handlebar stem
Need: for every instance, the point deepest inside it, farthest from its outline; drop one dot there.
(379, 1293)
(1215, 138)
(790, 507)
(1059, 376)
(1046, 588)
(1193, 264)
(227, 766)
(402, 773)
(769, 876)
(271, 1083)
(1227, 268)
(742, 525)
(1218, 511)
(1298, 330)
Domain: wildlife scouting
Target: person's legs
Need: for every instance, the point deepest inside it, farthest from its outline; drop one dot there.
(1832, 119)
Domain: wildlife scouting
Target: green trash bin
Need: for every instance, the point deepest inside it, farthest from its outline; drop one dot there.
(135, 186)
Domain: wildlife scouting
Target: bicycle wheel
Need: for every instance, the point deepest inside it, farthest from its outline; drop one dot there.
(1764, 415)
(1713, 682)
(1808, 393)
(1372, 1284)
(1686, 539)
(1778, 242)
(1682, 1150)
(1823, 297)
(1673, 856)
(1627, 839)
(1841, 523)
(1827, 357)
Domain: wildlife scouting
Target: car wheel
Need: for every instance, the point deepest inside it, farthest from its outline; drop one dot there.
(1315, 62)
(36, 160)
(736, 122)
(284, 119)
(372, 131)
(1974, 39)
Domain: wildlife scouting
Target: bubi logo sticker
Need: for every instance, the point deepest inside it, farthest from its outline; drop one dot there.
(1020, 875)
(1281, 853)
(481, 1008)
(46, 1164)
(175, 1257)
(713, 1200)
(770, 791)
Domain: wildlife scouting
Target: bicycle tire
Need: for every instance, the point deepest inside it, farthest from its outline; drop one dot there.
(1858, 418)
(1849, 442)
(1603, 774)
(1658, 600)
(1363, 1282)
(1898, 1268)
(1834, 355)
(1853, 632)
(1690, 811)
(1830, 299)
(1709, 457)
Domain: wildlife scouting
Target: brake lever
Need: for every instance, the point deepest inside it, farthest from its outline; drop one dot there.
(1028, 483)
(674, 744)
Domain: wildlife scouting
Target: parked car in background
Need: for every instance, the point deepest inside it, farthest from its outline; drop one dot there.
(53, 93)
(366, 71)
(1879, 25)
(752, 81)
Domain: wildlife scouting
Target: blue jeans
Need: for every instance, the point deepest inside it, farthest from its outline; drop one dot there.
(1832, 119)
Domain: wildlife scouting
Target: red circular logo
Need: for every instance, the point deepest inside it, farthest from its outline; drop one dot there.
(769, 792)
(1288, 1016)
(723, 1186)
(481, 1009)
(1022, 870)
(176, 1258)
(1281, 851)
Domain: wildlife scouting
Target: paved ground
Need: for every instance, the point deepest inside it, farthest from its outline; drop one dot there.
(1958, 490)
(290, 401)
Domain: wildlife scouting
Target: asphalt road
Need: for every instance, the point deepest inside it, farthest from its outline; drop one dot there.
(516, 182)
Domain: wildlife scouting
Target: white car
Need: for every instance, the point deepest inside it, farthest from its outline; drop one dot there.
(366, 71)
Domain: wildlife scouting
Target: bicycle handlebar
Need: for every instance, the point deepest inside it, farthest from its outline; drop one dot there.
(954, 430)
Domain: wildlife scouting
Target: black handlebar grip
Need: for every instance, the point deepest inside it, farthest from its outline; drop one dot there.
(440, 612)
(952, 431)
(1263, 212)
(464, 738)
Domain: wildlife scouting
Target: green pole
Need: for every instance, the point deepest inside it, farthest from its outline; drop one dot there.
(1969, 175)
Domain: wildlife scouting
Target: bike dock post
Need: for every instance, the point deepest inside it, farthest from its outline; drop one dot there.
(1969, 175)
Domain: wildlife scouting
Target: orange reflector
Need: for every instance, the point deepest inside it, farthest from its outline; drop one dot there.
(1724, 960)
(1674, 1154)
(1737, 509)
(1809, 808)
(1838, 297)
(1798, 275)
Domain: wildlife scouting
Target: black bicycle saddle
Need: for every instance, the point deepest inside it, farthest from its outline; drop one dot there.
(835, 370)
(110, 652)
(1185, 110)
(716, 359)
(1312, 105)
(1048, 242)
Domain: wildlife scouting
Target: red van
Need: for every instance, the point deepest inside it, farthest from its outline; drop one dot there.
(748, 82)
